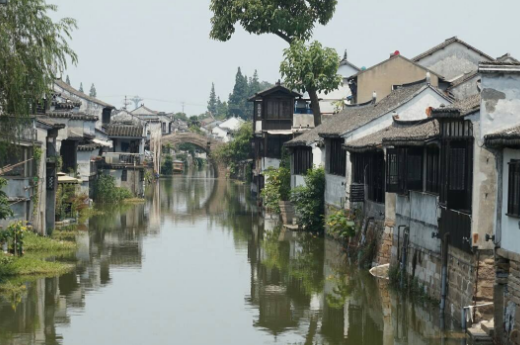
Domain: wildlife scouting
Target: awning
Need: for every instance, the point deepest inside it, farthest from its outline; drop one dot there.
(280, 132)
(103, 142)
(68, 180)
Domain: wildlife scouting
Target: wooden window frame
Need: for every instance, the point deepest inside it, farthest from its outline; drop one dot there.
(513, 195)
(302, 160)
(278, 109)
(433, 163)
(337, 158)
(124, 175)
(376, 177)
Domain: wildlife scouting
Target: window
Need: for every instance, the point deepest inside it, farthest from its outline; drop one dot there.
(337, 158)
(279, 109)
(432, 169)
(302, 160)
(124, 175)
(376, 177)
(258, 110)
(358, 167)
(457, 167)
(513, 198)
(275, 145)
(404, 170)
(414, 169)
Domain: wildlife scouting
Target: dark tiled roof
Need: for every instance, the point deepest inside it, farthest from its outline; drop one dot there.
(277, 87)
(505, 57)
(507, 137)
(466, 77)
(50, 123)
(305, 139)
(126, 131)
(72, 116)
(398, 134)
(356, 116)
(499, 66)
(75, 92)
(462, 107)
(447, 43)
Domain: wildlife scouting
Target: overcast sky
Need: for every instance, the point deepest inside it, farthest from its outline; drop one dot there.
(161, 51)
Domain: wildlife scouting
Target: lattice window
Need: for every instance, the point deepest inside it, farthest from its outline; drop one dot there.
(302, 160)
(337, 158)
(513, 199)
(432, 169)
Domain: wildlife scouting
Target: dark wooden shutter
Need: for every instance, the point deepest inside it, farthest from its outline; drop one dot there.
(414, 169)
(513, 199)
(392, 170)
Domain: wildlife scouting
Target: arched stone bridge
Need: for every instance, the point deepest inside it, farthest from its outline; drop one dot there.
(204, 143)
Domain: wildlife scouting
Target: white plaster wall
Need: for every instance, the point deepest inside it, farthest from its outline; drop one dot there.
(510, 226)
(335, 191)
(467, 89)
(270, 163)
(500, 107)
(347, 71)
(452, 61)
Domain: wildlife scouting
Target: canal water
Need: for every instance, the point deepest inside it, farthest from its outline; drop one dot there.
(198, 264)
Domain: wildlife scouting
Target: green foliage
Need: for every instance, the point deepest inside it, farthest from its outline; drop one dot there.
(93, 92)
(195, 129)
(212, 102)
(222, 109)
(81, 88)
(69, 202)
(13, 235)
(34, 49)
(342, 224)
(181, 116)
(311, 69)
(288, 19)
(277, 187)
(67, 80)
(106, 192)
(237, 150)
(5, 208)
(167, 166)
(238, 99)
(309, 200)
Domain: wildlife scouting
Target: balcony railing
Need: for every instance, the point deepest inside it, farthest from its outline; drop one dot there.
(124, 158)
(303, 111)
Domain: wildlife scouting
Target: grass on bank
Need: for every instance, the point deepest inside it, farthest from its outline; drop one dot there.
(36, 261)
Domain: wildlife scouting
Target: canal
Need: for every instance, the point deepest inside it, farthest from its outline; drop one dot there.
(198, 264)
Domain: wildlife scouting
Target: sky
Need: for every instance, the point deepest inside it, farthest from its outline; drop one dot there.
(161, 50)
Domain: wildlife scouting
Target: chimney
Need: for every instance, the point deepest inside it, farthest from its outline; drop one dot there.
(374, 97)
(428, 78)
(345, 56)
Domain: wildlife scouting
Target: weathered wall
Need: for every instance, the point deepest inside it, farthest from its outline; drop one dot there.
(466, 89)
(500, 103)
(507, 297)
(452, 61)
(335, 190)
(395, 71)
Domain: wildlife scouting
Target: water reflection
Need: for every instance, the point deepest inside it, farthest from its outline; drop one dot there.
(197, 264)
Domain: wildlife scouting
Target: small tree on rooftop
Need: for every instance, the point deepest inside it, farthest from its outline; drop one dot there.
(212, 102)
(68, 80)
(81, 88)
(311, 68)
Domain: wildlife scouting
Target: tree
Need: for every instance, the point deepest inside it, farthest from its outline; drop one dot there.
(238, 99)
(181, 116)
(222, 109)
(212, 103)
(68, 79)
(81, 88)
(93, 92)
(288, 19)
(237, 150)
(33, 50)
(313, 69)
(5, 209)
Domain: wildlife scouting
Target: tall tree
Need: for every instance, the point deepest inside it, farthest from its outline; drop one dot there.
(93, 92)
(222, 109)
(253, 88)
(237, 99)
(288, 19)
(81, 88)
(33, 50)
(212, 102)
(313, 69)
(68, 79)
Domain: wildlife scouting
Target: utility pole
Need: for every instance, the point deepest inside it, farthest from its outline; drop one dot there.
(183, 104)
(136, 101)
(126, 103)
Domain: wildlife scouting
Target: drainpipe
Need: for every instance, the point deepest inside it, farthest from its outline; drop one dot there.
(444, 277)
(403, 256)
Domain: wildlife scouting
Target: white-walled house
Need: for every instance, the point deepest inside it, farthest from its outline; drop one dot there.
(224, 130)
(408, 101)
(500, 128)
(306, 153)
